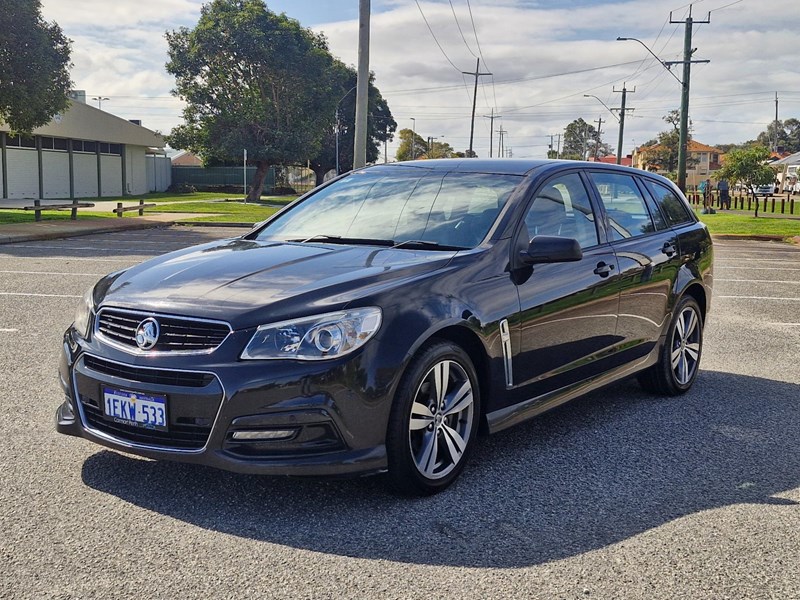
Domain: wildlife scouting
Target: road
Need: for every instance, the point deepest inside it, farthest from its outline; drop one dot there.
(618, 495)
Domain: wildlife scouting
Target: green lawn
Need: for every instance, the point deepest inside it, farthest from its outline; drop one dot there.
(222, 211)
(166, 197)
(732, 223)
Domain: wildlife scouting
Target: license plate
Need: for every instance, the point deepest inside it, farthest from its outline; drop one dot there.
(135, 409)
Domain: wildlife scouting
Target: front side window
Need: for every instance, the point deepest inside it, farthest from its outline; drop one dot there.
(398, 204)
(562, 208)
(627, 213)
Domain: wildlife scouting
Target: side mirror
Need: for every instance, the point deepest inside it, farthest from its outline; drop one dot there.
(551, 249)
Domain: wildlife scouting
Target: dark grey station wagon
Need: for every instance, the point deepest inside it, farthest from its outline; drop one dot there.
(378, 323)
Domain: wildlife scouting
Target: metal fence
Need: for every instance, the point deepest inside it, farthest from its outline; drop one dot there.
(300, 179)
(784, 203)
(211, 177)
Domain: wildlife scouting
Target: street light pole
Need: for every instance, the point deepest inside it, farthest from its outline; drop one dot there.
(413, 137)
(686, 62)
(100, 101)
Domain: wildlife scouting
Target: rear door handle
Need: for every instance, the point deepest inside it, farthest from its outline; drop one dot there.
(603, 269)
(669, 248)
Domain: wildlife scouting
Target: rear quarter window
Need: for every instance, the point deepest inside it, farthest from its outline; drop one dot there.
(674, 209)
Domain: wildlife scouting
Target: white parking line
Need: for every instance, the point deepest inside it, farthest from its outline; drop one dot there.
(70, 258)
(716, 280)
(760, 268)
(39, 295)
(757, 298)
(9, 330)
(53, 273)
(772, 260)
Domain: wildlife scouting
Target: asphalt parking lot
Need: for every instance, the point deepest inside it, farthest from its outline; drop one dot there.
(619, 495)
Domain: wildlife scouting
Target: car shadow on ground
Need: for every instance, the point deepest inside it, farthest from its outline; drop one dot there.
(593, 473)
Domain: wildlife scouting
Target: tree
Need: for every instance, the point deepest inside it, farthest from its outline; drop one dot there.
(252, 80)
(404, 149)
(34, 66)
(664, 154)
(580, 137)
(380, 123)
(747, 166)
(788, 135)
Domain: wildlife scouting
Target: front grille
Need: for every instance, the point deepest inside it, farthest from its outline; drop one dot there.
(154, 376)
(177, 334)
(185, 436)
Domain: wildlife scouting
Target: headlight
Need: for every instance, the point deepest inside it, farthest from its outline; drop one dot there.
(83, 314)
(315, 338)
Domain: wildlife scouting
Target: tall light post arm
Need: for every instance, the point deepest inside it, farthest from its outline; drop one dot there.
(603, 103)
(663, 64)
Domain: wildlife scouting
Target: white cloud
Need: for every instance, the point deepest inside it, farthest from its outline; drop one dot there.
(120, 52)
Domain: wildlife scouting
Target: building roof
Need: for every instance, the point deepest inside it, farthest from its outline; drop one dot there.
(692, 146)
(625, 161)
(185, 158)
(84, 122)
(792, 159)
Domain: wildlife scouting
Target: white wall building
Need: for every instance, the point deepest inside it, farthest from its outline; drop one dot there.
(82, 153)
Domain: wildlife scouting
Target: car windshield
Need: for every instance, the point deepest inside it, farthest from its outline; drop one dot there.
(410, 207)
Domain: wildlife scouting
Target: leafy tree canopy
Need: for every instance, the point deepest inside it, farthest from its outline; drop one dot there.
(253, 80)
(580, 138)
(380, 123)
(404, 151)
(747, 166)
(788, 135)
(34, 66)
(664, 155)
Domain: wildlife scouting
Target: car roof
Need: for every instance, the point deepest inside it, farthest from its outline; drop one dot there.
(500, 166)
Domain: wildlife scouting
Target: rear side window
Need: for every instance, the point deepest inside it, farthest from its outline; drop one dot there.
(673, 207)
(627, 213)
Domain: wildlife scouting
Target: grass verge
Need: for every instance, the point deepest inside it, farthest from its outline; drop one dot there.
(220, 211)
(738, 224)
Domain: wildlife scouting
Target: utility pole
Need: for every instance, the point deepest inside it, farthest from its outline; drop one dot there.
(362, 87)
(622, 110)
(413, 137)
(687, 70)
(491, 118)
(502, 132)
(477, 74)
(550, 147)
(558, 147)
(386, 143)
(597, 136)
(777, 141)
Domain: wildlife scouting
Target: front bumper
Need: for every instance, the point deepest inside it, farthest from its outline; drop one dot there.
(334, 412)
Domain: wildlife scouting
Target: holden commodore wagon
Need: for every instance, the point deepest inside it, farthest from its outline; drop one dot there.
(383, 320)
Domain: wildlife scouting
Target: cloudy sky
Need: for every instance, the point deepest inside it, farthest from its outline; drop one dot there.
(543, 56)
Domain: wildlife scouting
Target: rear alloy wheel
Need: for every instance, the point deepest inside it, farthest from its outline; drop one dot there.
(679, 362)
(434, 420)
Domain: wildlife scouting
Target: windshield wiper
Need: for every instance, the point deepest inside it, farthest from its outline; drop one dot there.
(426, 245)
(338, 239)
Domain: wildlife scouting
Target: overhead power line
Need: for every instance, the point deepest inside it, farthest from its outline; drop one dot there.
(433, 35)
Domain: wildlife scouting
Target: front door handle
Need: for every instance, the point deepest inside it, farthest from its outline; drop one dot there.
(669, 248)
(603, 269)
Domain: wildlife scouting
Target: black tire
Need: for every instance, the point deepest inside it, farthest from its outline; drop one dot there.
(679, 360)
(428, 446)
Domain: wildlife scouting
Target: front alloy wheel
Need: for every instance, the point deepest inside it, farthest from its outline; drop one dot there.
(434, 420)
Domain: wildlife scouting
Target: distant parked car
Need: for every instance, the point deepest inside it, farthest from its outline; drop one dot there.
(380, 321)
(763, 190)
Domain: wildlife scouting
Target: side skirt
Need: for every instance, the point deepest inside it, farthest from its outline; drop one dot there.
(511, 415)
